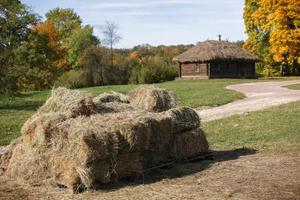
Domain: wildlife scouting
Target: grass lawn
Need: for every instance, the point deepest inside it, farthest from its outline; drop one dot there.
(275, 129)
(294, 87)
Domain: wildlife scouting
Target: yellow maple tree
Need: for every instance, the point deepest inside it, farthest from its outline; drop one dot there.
(279, 21)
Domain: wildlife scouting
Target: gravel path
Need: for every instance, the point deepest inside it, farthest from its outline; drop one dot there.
(258, 96)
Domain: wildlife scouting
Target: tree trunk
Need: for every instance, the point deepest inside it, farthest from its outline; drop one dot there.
(111, 55)
(294, 70)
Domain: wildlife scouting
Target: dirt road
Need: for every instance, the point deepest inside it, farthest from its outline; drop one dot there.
(258, 96)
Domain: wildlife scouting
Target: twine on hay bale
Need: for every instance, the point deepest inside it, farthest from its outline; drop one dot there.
(77, 141)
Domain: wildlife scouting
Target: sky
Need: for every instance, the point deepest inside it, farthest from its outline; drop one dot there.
(157, 22)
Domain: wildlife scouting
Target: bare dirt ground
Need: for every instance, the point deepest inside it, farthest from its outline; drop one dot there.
(258, 96)
(239, 174)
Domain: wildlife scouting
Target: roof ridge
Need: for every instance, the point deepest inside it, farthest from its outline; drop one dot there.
(215, 50)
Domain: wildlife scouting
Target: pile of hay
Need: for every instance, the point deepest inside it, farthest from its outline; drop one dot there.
(76, 141)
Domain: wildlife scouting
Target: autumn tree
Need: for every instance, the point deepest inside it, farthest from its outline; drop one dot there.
(273, 32)
(65, 20)
(285, 33)
(46, 28)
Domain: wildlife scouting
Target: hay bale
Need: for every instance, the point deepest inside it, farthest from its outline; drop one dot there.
(71, 103)
(7, 155)
(152, 99)
(114, 107)
(21, 163)
(190, 144)
(37, 130)
(76, 145)
(110, 97)
(183, 119)
(127, 165)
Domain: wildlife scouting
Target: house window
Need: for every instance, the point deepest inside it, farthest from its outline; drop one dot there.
(197, 68)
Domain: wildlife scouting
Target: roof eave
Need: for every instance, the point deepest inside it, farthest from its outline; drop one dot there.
(217, 59)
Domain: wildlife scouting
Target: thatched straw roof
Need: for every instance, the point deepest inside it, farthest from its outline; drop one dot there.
(211, 50)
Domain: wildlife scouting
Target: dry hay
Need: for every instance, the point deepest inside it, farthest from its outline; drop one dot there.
(152, 99)
(189, 144)
(114, 107)
(111, 97)
(183, 119)
(68, 102)
(77, 143)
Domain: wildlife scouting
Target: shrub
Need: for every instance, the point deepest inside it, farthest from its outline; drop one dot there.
(72, 79)
(156, 70)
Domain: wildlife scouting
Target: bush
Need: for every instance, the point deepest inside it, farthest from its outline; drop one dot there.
(156, 71)
(72, 79)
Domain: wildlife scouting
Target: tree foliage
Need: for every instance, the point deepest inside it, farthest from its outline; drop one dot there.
(34, 63)
(46, 28)
(15, 22)
(93, 62)
(79, 40)
(157, 70)
(273, 28)
(152, 64)
(60, 51)
(65, 20)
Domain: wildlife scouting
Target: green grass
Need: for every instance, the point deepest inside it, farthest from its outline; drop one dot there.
(294, 87)
(190, 93)
(274, 129)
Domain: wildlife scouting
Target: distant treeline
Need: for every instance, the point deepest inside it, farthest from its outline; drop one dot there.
(38, 54)
(61, 51)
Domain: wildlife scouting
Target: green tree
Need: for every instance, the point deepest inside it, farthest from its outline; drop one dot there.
(34, 60)
(65, 20)
(79, 40)
(15, 22)
(93, 62)
(135, 68)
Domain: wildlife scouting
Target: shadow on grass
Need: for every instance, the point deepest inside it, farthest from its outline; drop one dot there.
(28, 106)
(29, 101)
(179, 169)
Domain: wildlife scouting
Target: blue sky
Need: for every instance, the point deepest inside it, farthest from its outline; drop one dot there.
(157, 21)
